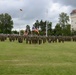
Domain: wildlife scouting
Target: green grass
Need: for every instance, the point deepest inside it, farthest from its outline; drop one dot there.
(45, 59)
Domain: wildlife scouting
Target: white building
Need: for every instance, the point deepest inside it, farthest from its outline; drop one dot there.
(73, 20)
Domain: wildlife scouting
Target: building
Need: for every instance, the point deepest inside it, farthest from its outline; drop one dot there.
(73, 20)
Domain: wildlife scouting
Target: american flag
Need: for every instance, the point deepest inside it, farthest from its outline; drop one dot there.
(35, 29)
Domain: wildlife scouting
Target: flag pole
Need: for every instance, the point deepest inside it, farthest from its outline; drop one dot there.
(46, 28)
(46, 23)
(20, 16)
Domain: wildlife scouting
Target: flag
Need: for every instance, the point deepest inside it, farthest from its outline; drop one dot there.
(35, 29)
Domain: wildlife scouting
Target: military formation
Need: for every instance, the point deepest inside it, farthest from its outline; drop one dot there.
(35, 39)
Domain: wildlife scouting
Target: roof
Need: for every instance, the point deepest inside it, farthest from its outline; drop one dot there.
(73, 12)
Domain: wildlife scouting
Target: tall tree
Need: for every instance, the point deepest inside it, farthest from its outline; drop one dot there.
(36, 24)
(63, 19)
(58, 29)
(6, 23)
(15, 32)
(42, 27)
(28, 29)
(49, 28)
(21, 32)
(67, 30)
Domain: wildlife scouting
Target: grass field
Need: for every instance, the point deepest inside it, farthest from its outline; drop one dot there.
(45, 59)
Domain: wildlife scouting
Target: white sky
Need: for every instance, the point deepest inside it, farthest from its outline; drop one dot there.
(35, 10)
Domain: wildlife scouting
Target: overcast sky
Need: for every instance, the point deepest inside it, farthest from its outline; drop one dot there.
(33, 10)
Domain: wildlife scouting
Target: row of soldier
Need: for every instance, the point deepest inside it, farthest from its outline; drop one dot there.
(37, 39)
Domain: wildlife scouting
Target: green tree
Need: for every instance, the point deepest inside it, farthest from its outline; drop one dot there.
(36, 24)
(28, 29)
(42, 27)
(15, 32)
(21, 32)
(67, 30)
(73, 32)
(58, 29)
(49, 27)
(63, 21)
(6, 23)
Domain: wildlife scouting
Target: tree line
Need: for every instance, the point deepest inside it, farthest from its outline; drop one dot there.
(61, 28)
(6, 23)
